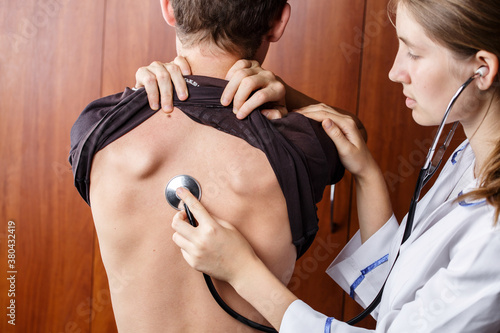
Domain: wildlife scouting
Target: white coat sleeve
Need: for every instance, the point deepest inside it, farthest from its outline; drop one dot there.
(361, 269)
(346, 268)
(462, 297)
(301, 318)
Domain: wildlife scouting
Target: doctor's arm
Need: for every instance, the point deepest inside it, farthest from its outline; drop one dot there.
(216, 248)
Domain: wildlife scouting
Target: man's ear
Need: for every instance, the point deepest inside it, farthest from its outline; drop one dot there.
(168, 12)
(279, 25)
(490, 61)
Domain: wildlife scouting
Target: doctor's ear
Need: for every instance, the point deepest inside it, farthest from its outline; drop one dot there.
(489, 61)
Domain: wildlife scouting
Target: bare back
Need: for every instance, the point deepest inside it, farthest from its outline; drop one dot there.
(153, 289)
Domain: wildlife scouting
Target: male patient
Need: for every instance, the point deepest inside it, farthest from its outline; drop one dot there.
(263, 176)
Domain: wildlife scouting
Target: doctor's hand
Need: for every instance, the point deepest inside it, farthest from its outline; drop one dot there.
(158, 78)
(214, 247)
(345, 134)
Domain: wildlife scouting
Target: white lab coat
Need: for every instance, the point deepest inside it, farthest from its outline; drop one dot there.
(446, 279)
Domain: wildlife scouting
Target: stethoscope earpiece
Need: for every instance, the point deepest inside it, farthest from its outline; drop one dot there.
(482, 71)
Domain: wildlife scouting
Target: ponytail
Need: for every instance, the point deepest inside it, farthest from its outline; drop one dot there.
(490, 183)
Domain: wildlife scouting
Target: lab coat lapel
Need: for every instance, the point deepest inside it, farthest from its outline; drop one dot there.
(436, 204)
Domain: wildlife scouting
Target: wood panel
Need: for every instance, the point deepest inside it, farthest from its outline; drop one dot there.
(50, 68)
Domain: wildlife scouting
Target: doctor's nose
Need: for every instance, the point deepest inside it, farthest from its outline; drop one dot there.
(398, 73)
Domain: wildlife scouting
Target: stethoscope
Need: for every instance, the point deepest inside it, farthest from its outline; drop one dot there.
(432, 162)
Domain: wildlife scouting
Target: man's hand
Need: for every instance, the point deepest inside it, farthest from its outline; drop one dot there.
(157, 79)
(247, 77)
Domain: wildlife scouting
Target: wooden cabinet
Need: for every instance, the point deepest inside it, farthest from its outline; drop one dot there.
(57, 56)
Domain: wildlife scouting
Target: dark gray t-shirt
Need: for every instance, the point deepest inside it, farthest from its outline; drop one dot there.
(301, 154)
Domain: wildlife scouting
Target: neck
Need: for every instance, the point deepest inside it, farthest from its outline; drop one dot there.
(208, 61)
(483, 134)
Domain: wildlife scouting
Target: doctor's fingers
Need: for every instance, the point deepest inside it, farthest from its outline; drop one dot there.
(198, 246)
(342, 143)
(321, 111)
(346, 123)
(197, 209)
(194, 240)
(188, 250)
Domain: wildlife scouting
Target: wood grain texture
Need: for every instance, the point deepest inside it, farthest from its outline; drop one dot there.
(50, 68)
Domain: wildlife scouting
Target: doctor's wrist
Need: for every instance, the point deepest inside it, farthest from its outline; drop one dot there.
(369, 174)
(246, 272)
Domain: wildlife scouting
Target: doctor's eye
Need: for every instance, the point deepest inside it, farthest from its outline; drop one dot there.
(413, 56)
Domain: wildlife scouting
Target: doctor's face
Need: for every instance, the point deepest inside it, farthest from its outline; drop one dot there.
(429, 72)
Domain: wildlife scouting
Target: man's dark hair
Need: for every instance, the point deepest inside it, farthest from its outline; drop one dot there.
(236, 26)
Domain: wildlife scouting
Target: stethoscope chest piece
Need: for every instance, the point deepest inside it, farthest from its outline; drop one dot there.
(185, 181)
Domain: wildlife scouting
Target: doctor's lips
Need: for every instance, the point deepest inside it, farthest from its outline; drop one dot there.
(410, 102)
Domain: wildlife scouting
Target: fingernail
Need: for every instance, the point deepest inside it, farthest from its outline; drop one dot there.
(266, 113)
(224, 101)
(155, 106)
(327, 124)
(180, 190)
(182, 95)
(168, 108)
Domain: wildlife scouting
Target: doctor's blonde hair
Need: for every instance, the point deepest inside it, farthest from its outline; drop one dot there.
(465, 27)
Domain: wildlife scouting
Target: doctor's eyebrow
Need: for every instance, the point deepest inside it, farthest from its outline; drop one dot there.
(408, 43)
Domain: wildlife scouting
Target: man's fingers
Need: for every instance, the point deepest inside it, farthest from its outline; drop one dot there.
(159, 79)
(145, 78)
(240, 64)
(238, 88)
(277, 112)
(183, 65)
(166, 89)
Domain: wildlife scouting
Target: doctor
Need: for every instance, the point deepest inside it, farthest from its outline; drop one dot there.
(447, 276)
